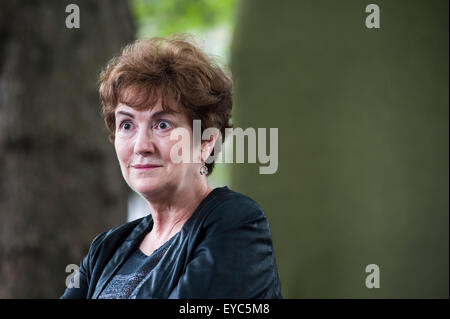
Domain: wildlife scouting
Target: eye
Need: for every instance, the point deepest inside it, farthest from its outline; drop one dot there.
(126, 125)
(163, 124)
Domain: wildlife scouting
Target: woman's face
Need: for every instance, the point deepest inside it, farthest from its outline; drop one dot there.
(143, 145)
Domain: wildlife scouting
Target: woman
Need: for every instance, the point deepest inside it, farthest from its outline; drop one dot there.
(197, 242)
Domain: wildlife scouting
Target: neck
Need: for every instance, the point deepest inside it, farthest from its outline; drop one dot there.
(172, 210)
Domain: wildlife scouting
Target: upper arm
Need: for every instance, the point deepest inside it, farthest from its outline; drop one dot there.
(234, 260)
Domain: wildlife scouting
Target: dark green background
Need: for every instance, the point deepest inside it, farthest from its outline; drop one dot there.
(362, 116)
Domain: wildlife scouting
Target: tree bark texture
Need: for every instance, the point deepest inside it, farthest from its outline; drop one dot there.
(60, 183)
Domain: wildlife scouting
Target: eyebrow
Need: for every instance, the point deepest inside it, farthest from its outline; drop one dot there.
(154, 115)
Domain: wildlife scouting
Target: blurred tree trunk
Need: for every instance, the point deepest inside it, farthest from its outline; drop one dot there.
(60, 184)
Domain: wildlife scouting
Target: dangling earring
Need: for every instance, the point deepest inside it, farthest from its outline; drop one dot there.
(203, 170)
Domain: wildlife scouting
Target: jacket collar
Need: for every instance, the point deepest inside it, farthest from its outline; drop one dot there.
(122, 252)
(130, 243)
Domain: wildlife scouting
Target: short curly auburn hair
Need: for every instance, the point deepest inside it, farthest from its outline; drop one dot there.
(174, 70)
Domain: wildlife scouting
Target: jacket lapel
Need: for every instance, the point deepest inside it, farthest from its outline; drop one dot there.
(122, 253)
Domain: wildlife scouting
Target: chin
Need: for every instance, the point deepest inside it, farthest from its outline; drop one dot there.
(147, 187)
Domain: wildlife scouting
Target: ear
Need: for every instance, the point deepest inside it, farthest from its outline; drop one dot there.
(209, 139)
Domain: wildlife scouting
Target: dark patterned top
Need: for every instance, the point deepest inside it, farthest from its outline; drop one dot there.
(131, 274)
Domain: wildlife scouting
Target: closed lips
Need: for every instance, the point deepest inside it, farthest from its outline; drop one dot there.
(145, 166)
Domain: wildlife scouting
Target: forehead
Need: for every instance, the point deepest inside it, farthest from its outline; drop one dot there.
(135, 100)
(151, 105)
(148, 110)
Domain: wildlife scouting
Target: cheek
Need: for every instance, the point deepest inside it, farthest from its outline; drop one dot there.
(172, 168)
(122, 151)
(181, 148)
(165, 147)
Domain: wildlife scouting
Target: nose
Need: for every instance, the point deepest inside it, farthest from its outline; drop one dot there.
(144, 144)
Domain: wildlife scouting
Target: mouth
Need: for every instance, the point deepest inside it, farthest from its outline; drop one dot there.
(145, 167)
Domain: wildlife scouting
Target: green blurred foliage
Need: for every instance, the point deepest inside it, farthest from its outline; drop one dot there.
(161, 18)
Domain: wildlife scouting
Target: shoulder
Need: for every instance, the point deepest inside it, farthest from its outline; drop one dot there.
(233, 209)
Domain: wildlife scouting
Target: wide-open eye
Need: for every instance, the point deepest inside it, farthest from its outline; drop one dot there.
(163, 125)
(126, 125)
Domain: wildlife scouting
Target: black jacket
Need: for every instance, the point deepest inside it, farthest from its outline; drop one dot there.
(224, 250)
